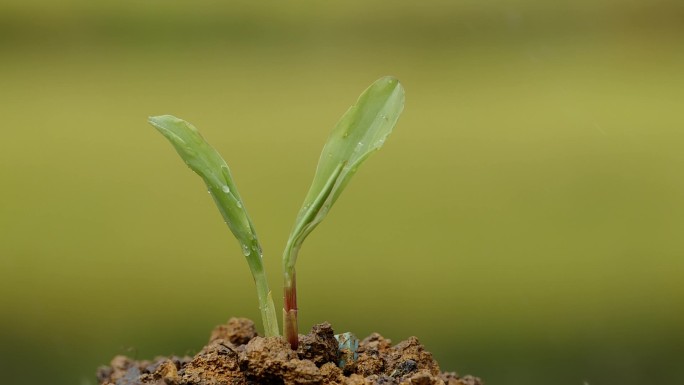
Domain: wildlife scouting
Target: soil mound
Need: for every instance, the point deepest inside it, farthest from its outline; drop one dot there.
(236, 355)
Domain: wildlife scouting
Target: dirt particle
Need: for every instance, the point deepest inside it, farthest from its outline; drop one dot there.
(375, 342)
(238, 331)
(451, 378)
(267, 358)
(319, 346)
(404, 368)
(331, 373)
(167, 372)
(412, 350)
(213, 366)
(470, 380)
(371, 355)
(303, 373)
(424, 378)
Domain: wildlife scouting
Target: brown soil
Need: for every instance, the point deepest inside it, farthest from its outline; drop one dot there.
(235, 355)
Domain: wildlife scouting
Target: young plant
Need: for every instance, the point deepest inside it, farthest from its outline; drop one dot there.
(361, 131)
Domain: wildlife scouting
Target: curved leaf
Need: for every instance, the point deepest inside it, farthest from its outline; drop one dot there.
(208, 164)
(361, 131)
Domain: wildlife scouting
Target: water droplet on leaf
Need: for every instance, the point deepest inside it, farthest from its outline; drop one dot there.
(245, 250)
(225, 189)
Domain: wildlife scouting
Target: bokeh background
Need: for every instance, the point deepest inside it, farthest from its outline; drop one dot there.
(524, 220)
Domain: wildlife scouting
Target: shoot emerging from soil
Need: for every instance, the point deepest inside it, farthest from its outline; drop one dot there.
(361, 131)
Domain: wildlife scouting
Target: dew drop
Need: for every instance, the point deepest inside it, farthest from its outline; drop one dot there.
(245, 250)
(346, 134)
(238, 204)
(261, 252)
(225, 189)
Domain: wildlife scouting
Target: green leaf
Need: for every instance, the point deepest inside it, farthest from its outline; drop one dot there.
(361, 131)
(208, 164)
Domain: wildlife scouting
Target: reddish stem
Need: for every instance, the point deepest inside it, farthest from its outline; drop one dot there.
(290, 313)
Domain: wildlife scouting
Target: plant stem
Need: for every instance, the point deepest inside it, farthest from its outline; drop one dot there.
(266, 306)
(290, 329)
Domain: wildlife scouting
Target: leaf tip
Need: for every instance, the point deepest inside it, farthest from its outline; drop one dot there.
(390, 81)
(161, 119)
(392, 84)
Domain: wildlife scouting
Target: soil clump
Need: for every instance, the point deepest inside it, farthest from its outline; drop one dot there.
(236, 355)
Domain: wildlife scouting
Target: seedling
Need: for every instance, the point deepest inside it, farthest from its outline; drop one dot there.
(361, 131)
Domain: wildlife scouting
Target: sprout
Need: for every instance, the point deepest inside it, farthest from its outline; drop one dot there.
(361, 131)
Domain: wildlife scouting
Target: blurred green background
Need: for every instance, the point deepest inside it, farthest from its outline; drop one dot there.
(524, 220)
